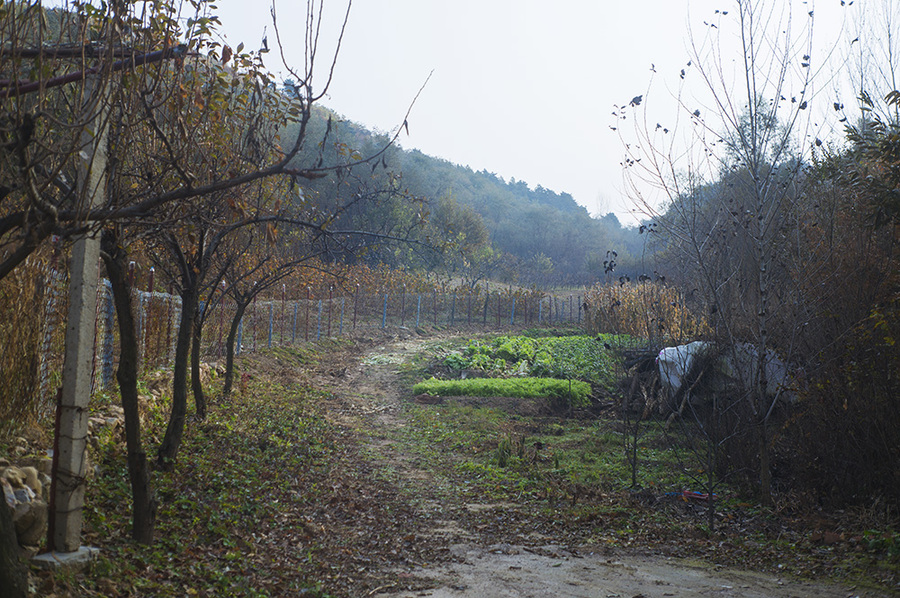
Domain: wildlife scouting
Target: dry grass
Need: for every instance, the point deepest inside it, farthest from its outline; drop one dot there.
(652, 311)
(31, 320)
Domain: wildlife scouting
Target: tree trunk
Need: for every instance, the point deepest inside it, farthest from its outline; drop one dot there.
(761, 391)
(168, 449)
(712, 466)
(13, 577)
(765, 467)
(229, 346)
(143, 500)
(196, 382)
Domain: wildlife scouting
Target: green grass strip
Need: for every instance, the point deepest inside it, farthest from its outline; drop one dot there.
(575, 391)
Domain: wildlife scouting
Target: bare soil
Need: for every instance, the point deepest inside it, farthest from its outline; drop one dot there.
(468, 549)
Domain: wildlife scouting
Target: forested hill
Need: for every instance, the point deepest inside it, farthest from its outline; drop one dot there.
(536, 235)
(530, 224)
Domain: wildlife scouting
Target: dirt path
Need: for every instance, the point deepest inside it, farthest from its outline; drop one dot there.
(367, 399)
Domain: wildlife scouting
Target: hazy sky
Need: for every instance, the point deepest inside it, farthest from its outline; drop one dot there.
(522, 88)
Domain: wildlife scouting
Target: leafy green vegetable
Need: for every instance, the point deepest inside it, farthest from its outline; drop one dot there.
(586, 358)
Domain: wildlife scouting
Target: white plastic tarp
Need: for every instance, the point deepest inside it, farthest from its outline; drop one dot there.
(733, 372)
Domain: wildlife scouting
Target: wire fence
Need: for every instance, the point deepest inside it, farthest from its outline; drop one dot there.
(288, 318)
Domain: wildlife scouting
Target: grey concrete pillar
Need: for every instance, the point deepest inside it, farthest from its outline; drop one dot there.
(80, 330)
(76, 395)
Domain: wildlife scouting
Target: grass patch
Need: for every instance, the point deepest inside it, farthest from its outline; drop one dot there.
(229, 520)
(489, 452)
(573, 392)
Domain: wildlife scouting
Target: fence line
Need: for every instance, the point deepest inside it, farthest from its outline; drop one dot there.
(282, 319)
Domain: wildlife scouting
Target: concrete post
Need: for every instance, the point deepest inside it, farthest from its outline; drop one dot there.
(76, 394)
(77, 369)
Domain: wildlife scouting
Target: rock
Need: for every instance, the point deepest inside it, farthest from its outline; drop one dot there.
(22, 490)
(32, 480)
(30, 521)
(23, 495)
(22, 447)
(8, 493)
(13, 475)
(44, 465)
(20, 512)
(13, 575)
(46, 482)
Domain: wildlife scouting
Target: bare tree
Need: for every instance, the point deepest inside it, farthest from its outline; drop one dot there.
(250, 272)
(143, 499)
(871, 66)
(186, 124)
(731, 172)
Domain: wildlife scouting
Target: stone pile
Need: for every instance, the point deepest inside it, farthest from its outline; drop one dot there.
(26, 492)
